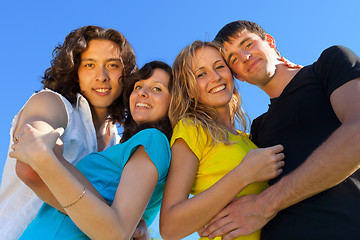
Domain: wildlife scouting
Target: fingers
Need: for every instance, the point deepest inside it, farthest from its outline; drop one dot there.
(225, 230)
(280, 164)
(12, 154)
(141, 231)
(60, 131)
(16, 140)
(223, 213)
(216, 222)
(276, 148)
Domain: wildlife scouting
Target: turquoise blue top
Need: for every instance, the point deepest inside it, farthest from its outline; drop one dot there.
(103, 169)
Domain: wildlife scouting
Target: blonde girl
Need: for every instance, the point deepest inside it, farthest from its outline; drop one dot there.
(211, 159)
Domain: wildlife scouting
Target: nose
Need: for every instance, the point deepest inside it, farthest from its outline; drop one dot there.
(143, 92)
(216, 76)
(244, 55)
(102, 74)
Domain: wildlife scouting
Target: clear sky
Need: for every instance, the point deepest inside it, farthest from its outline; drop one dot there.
(158, 30)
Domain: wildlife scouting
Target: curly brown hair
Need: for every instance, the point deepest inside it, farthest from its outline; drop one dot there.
(62, 76)
(130, 126)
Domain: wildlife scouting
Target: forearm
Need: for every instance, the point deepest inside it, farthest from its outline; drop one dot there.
(330, 164)
(101, 222)
(36, 184)
(189, 215)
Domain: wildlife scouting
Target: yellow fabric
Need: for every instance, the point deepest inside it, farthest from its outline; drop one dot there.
(216, 160)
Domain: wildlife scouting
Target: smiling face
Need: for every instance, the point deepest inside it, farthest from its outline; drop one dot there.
(99, 74)
(214, 80)
(150, 98)
(251, 58)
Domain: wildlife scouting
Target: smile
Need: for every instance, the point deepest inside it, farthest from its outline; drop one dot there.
(102, 90)
(217, 89)
(143, 105)
(253, 64)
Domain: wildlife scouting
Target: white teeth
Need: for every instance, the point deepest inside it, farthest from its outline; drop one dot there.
(217, 89)
(101, 90)
(143, 105)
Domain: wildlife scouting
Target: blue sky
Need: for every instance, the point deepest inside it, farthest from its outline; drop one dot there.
(158, 30)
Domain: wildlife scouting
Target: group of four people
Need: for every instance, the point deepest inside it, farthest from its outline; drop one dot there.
(180, 127)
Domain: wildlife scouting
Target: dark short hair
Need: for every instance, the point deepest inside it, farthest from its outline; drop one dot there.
(231, 30)
(130, 126)
(62, 76)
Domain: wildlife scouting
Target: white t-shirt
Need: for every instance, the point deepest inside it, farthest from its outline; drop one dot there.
(18, 203)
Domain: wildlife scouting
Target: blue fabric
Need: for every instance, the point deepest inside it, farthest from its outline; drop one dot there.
(104, 169)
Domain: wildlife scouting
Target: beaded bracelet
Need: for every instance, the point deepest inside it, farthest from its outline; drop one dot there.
(76, 200)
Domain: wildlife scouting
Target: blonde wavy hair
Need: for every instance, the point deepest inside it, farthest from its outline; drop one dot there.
(185, 99)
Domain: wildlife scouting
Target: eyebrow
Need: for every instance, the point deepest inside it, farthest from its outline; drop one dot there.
(239, 45)
(108, 60)
(161, 83)
(220, 60)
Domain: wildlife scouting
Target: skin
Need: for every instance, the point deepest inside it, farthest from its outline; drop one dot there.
(100, 73)
(215, 83)
(148, 95)
(138, 179)
(180, 216)
(100, 68)
(250, 213)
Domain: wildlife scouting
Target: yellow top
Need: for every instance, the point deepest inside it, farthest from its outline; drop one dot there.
(216, 160)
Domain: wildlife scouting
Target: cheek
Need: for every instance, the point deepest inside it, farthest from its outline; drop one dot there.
(132, 103)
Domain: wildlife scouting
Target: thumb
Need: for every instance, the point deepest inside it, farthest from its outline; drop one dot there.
(55, 134)
(60, 131)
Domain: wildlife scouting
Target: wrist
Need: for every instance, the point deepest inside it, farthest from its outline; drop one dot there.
(270, 201)
(43, 162)
(243, 176)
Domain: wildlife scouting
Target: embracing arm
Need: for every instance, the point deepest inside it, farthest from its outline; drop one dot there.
(180, 216)
(45, 111)
(138, 180)
(331, 163)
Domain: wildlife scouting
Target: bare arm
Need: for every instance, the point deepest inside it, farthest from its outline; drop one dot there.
(333, 161)
(328, 165)
(180, 216)
(45, 111)
(118, 221)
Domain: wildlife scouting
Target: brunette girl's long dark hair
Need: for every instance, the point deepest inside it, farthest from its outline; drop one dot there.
(130, 126)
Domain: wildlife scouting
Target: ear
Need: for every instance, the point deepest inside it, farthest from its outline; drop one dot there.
(270, 40)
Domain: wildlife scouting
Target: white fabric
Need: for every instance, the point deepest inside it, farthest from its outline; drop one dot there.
(18, 204)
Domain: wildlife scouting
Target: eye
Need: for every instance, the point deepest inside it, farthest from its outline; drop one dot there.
(234, 60)
(247, 46)
(219, 67)
(157, 89)
(137, 87)
(113, 65)
(89, 65)
(200, 75)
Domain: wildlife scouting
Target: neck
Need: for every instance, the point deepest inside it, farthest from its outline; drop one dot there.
(99, 119)
(223, 117)
(282, 77)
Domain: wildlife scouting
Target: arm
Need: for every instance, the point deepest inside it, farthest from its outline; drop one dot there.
(118, 221)
(45, 111)
(180, 216)
(315, 175)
